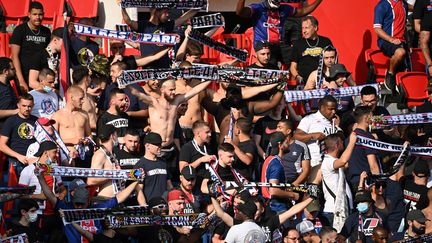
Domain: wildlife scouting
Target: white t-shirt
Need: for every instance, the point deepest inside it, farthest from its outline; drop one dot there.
(45, 104)
(28, 178)
(238, 233)
(331, 177)
(315, 122)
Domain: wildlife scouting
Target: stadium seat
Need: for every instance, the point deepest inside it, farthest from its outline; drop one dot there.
(87, 10)
(414, 87)
(4, 44)
(377, 63)
(52, 10)
(14, 12)
(417, 60)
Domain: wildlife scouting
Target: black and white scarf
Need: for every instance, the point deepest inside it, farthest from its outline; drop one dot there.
(207, 21)
(375, 144)
(173, 4)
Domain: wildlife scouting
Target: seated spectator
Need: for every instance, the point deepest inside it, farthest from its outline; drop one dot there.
(26, 223)
(45, 98)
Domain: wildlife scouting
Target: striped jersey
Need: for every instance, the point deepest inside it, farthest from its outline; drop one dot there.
(390, 15)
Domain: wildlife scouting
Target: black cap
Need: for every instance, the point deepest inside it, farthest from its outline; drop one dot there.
(45, 146)
(188, 172)
(363, 196)
(81, 195)
(248, 208)
(416, 215)
(58, 32)
(233, 89)
(153, 138)
(261, 45)
(337, 69)
(106, 131)
(276, 139)
(421, 169)
(245, 195)
(155, 201)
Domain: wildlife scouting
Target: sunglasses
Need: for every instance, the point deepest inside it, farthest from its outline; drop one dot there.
(380, 185)
(160, 206)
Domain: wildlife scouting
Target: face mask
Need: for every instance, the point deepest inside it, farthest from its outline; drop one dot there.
(47, 89)
(32, 217)
(48, 161)
(363, 207)
(418, 231)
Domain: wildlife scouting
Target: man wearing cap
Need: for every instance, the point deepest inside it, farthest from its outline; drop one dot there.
(46, 100)
(273, 172)
(416, 226)
(366, 216)
(157, 179)
(248, 230)
(307, 232)
(187, 183)
(48, 58)
(47, 155)
(263, 55)
(414, 186)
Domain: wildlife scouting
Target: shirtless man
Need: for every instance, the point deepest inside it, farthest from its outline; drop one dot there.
(162, 111)
(103, 159)
(81, 78)
(72, 122)
(152, 88)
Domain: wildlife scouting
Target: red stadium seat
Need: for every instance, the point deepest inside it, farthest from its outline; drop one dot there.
(14, 12)
(87, 10)
(414, 87)
(378, 63)
(417, 60)
(52, 10)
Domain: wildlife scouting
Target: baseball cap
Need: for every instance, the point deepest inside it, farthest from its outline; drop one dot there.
(188, 172)
(106, 131)
(155, 201)
(305, 226)
(314, 206)
(261, 45)
(421, 169)
(363, 196)
(45, 121)
(153, 138)
(45, 146)
(175, 195)
(77, 183)
(248, 208)
(58, 32)
(276, 139)
(81, 195)
(416, 215)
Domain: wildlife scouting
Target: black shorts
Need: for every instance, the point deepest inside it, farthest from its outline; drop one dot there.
(389, 48)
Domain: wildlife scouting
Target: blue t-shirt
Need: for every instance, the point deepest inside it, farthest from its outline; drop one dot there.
(8, 101)
(269, 23)
(93, 226)
(275, 171)
(20, 132)
(385, 17)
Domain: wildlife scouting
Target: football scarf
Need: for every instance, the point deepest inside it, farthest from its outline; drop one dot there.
(76, 215)
(294, 95)
(134, 174)
(193, 220)
(158, 39)
(421, 238)
(42, 135)
(177, 4)
(380, 122)
(375, 144)
(21, 238)
(240, 55)
(207, 21)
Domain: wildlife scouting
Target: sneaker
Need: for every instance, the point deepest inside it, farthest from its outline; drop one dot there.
(390, 82)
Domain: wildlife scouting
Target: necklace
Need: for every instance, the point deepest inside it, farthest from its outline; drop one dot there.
(38, 32)
(314, 45)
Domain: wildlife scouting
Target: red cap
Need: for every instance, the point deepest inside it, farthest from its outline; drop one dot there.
(175, 195)
(45, 121)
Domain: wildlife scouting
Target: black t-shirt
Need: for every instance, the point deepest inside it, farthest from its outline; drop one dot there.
(189, 154)
(148, 49)
(421, 11)
(245, 170)
(133, 104)
(156, 176)
(395, 204)
(265, 127)
(350, 229)
(8, 100)
(41, 59)
(126, 160)
(20, 132)
(129, 60)
(120, 122)
(225, 173)
(101, 238)
(32, 231)
(306, 53)
(78, 44)
(31, 43)
(412, 192)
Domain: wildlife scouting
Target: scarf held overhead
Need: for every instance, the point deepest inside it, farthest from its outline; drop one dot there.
(207, 21)
(379, 122)
(183, 4)
(375, 144)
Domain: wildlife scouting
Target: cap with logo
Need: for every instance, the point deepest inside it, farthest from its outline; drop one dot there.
(77, 183)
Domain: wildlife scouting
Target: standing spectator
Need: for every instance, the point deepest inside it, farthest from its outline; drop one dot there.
(416, 225)
(26, 223)
(328, 234)
(291, 236)
(414, 185)
(380, 235)
(45, 98)
(307, 232)
(292, 25)
(8, 103)
(263, 55)
(306, 51)
(81, 77)
(17, 134)
(389, 25)
(423, 25)
(369, 97)
(79, 43)
(28, 40)
(187, 183)
(128, 154)
(268, 18)
(47, 58)
(157, 179)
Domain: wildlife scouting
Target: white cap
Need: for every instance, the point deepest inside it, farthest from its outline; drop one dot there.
(305, 226)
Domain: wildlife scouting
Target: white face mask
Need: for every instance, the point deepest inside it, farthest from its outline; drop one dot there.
(47, 89)
(32, 217)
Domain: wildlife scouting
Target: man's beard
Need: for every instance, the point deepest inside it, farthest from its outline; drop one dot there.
(118, 109)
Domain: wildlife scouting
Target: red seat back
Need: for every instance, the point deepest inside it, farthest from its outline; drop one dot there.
(87, 10)
(417, 60)
(379, 62)
(14, 12)
(52, 10)
(415, 86)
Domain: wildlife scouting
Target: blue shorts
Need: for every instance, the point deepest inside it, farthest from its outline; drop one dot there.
(389, 48)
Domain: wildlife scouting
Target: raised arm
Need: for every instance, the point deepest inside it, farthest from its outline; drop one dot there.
(182, 19)
(243, 11)
(181, 52)
(49, 194)
(261, 107)
(298, 207)
(191, 93)
(142, 61)
(346, 155)
(228, 220)
(124, 194)
(140, 95)
(132, 24)
(307, 9)
(249, 92)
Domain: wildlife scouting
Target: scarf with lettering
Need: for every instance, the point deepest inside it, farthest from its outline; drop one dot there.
(76, 215)
(380, 122)
(42, 135)
(240, 55)
(320, 70)
(294, 95)
(207, 21)
(194, 220)
(173, 4)
(158, 39)
(375, 144)
(236, 184)
(134, 174)
(18, 189)
(421, 238)
(21, 238)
